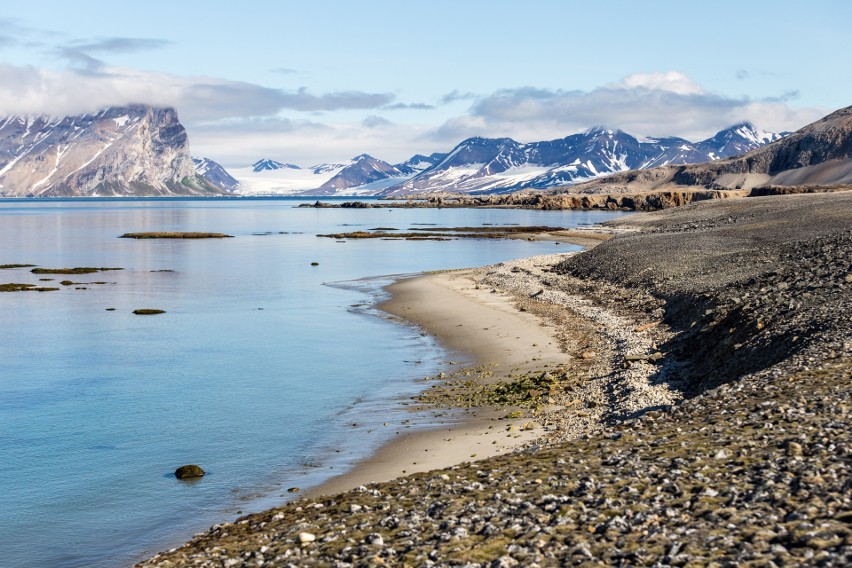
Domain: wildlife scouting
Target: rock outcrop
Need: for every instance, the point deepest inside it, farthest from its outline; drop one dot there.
(136, 150)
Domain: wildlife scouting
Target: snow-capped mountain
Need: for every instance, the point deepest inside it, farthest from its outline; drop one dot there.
(419, 162)
(362, 175)
(502, 165)
(736, 140)
(133, 150)
(499, 165)
(362, 170)
(817, 154)
(214, 173)
(266, 164)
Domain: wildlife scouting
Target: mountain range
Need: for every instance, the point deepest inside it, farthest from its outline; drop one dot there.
(120, 151)
(140, 150)
(817, 154)
(362, 175)
(500, 165)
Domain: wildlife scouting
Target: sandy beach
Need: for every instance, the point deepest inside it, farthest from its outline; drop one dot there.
(479, 327)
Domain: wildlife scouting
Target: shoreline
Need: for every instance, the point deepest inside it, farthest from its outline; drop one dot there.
(481, 329)
(478, 327)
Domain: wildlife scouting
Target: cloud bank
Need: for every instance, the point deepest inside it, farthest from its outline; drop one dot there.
(236, 122)
(643, 104)
(31, 90)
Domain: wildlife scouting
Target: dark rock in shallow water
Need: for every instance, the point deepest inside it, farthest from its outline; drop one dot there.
(189, 471)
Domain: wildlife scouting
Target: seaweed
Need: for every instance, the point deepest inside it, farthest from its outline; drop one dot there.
(175, 235)
(76, 270)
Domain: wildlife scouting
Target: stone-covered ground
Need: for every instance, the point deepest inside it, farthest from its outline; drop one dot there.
(751, 468)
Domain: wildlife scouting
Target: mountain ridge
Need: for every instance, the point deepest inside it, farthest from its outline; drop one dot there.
(502, 165)
(819, 153)
(480, 165)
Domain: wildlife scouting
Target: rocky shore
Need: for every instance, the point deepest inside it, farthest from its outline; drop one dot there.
(593, 197)
(700, 414)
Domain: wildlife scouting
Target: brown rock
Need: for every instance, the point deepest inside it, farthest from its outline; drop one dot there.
(189, 471)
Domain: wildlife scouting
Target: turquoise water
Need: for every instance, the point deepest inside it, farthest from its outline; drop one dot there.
(267, 371)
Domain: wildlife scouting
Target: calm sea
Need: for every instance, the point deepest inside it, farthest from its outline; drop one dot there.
(267, 371)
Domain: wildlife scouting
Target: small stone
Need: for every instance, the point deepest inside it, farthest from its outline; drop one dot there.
(355, 508)
(721, 454)
(189, 471)
(306, 537)
(588, 355)
(374, 539)
(794, 449)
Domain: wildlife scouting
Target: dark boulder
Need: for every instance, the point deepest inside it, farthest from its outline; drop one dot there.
(189, 471)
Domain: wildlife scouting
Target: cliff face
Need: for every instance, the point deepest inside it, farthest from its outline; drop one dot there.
(137, 150)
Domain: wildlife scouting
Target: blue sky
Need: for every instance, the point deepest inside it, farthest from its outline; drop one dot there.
(326, 80)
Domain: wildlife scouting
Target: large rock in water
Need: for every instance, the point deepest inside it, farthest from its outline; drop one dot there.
(137, 150)
(189, 471)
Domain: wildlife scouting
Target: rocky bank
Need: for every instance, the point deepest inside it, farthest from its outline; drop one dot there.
(738, 313)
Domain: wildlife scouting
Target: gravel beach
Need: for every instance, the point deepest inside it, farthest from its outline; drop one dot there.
(692, 409)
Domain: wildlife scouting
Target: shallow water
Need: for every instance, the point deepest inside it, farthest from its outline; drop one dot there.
(267, 371)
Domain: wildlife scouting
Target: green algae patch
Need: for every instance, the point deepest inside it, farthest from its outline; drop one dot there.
(12, 287)
(175, 235)
(7, 266)
(148, 312)
(471, 388)
(76, 270)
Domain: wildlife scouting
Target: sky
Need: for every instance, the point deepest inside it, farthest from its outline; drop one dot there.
(323, 81)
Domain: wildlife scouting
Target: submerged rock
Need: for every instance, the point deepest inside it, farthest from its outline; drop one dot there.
(189, 471)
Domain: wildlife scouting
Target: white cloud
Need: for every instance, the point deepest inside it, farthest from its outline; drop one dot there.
(237, 122)
(26, 89)
(308, 143)
(670, 81)
(645, 104)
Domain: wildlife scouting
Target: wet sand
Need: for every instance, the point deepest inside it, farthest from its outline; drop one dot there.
(479, 327)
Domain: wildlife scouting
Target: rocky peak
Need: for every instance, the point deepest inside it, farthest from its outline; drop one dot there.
(217, 175)
(265, 164)
(130, 150)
